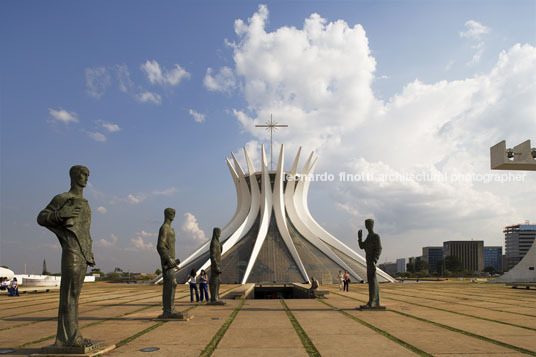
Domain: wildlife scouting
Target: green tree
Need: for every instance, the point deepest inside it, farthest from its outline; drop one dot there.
(158, 271)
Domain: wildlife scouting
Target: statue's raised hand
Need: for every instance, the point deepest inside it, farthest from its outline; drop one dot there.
(360, 234)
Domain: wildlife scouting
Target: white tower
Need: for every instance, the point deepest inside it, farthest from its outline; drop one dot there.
(272, 237)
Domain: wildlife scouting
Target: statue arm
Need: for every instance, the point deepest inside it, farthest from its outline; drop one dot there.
(50, 216)
(163, 249)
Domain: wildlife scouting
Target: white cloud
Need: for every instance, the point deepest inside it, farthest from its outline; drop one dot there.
(145, 97)
(96, 136)
(63, 115)
(223, 81)
(147, 234)
(135, 199)
(110, 127)
(166, 192)
(318, 80)
(156, 75)
(97, 81)
(198, 117)
(474, 30)
(139, 244)
(107, 243)
(191, 229)
(102, 210)
(123, 76)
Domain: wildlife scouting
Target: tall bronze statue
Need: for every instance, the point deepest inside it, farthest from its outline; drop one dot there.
(68, 216)
(215, 268)
(166, 249)
(373, 248)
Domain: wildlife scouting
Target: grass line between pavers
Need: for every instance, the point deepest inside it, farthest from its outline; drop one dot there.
(454, 312)
(467, 333)
(141, 333)
(211, 347)
(477, 298)
(463, 304)
(381, 332)
(55, 307)
(306, 341)
(95, 323)
(454, 329)
(55, 317)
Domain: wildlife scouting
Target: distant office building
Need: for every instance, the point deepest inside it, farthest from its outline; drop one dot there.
(517, 241)
(432, 255)
(470, 253)
(401, 265)
(389, 268)
(493, 258)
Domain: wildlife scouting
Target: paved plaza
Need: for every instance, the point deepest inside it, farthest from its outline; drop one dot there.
(438, 318)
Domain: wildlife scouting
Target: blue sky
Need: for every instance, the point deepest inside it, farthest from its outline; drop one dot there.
(381, 87)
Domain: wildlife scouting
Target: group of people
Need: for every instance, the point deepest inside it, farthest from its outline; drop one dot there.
(344, 280)
(202, 281)
(11, 286)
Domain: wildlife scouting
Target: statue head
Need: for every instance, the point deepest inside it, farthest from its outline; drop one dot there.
(79, 175)
(216, 233)
(169, 213)
(369, 224)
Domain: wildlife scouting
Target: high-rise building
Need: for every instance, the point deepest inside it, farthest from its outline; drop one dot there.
(493, 258)
(432, 255)
(401, 265)
(470, 253)
(517, 241)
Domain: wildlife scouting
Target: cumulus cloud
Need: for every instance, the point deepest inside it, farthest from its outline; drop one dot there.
(135, 199)
(107, 243)
(191, 229)
(318, 80)
(198, 117)
(63, 116)
(147, 234)
(139, 244)
(123, 76)
(223, 81)
(95, 135)
(157, 75)
(102, 210)
(97, 81)
(151, 97)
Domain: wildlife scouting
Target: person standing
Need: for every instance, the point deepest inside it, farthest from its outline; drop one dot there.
(68, 216)
(341, 280)
(193, 286)
(346, 281)
(373, 248)
(166, 250)
(203, 288)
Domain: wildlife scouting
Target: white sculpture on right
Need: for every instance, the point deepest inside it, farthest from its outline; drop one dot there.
(521, 157)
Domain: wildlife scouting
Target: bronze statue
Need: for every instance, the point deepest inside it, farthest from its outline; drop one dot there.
(215, 268)
(373, 247)
(68, 216)
(166, 249)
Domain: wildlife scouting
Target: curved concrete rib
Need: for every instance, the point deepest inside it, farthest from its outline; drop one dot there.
(247, 223)
(266, 212)
(280, 217)
(301, 199)
(293, 202)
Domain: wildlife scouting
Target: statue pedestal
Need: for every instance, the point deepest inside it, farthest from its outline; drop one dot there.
(96, 348)
(369, 308)
(219, 302)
